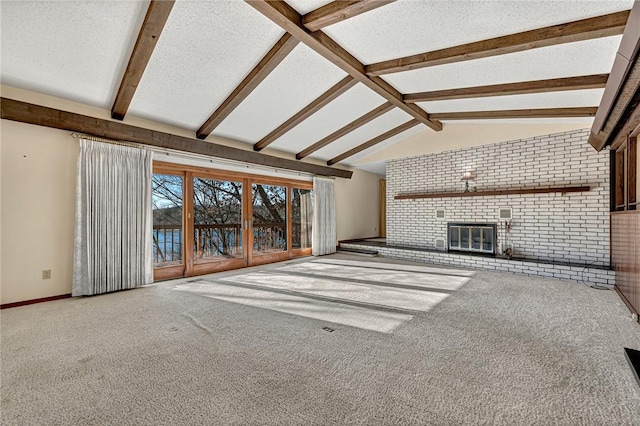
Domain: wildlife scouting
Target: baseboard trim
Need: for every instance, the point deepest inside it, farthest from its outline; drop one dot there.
(32, 301)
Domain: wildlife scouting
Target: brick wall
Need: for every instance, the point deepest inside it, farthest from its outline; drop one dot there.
(573, 227)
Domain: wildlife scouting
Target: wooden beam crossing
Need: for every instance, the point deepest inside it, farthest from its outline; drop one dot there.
(157, 15)
(291, 21)
(339, 11)
(381, 138)
(267, 64)
(585, 29)
(538, 86)
(306, 112)
(355, 124)
(49, 117)
(518, 113)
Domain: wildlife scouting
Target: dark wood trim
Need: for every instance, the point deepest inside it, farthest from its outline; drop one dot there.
(371, 142)
(157, 15)
(291, 21)
(558, 189)
(267, 64)
(338, 11)
(320, 102)
(355, 124)
(622, 92)
(221, 174)
(32, 301)
(585, 29)
(626, 53)
(538, 86)
(49, 117)
(517, 113)
(612, 180)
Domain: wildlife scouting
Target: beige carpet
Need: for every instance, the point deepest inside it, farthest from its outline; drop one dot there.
(411, 345)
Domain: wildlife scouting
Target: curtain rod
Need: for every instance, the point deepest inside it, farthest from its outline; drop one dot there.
(167, 151)
(111, 141)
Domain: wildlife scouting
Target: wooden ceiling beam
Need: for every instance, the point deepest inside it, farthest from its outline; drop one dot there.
(358, 122)
(267, 64)
(381, 138)
(49, 117)
(152, 26)
(291, 21)
(538, 86)
(518, 113)
(338, 11)
(338, 89)
(585, 29)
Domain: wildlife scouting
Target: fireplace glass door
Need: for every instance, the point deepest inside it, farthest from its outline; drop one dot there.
(475, 238)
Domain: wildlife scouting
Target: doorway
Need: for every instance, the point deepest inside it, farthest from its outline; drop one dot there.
(207, 221)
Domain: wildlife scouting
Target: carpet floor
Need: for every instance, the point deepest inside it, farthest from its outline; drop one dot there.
(333, 340)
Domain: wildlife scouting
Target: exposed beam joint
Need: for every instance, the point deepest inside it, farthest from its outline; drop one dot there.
(585, 29)
(383, 137)
(539, 86)
(152, 26)
(267, 64)
(355, 124)
(518, 113)
(49, 117)
(328, 96)
(338, 11)
(291, 21)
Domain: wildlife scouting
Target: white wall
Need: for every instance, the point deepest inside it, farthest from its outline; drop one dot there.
(357, 205)
(38, 193)
(37, 184)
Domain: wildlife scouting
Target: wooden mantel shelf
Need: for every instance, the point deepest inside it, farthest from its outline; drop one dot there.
(560, 189)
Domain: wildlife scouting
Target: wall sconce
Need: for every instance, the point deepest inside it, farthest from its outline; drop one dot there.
(466, 177)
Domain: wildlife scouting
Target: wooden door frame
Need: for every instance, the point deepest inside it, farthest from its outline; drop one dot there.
(174, 271)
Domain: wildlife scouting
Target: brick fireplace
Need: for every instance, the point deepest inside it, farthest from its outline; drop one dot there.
(570, 228)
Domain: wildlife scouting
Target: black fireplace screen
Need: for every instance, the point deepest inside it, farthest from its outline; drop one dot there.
(472, 237)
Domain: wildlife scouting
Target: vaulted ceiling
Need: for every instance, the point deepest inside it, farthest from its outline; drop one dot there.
(335, 81)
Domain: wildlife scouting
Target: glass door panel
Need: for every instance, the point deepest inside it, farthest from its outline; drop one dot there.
(217, 220)
(269, 219)
(168, 235)
(301, 218)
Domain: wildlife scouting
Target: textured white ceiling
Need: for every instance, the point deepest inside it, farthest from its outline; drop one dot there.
(74, 50)
(206, 49)
(280, 96)
(79, 50)
(408, 27)
(565, 60)
(355, 102)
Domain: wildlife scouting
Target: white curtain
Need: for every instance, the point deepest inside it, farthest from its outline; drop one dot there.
(324, 239)
(112, 247)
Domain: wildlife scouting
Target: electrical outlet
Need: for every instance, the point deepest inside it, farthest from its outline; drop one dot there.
(46, 274)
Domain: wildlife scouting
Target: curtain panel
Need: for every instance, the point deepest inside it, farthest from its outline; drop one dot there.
(112, 247)
(325, 238)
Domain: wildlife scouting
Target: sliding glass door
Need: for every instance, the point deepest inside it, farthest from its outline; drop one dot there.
(168, 225)
(217, 225)
(207, 221)
(269, 236)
